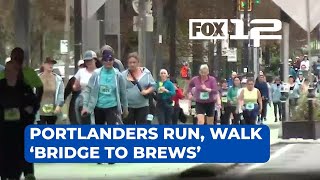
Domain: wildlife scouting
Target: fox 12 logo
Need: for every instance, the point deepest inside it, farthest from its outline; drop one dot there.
(208, 29)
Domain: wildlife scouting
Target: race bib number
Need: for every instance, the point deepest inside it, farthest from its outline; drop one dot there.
(48, 108)
(224, 99)
(12, 114)
(204, 95)
(250, 106)
(105, 90)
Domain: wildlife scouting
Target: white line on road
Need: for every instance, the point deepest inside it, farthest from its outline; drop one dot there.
(273, 156)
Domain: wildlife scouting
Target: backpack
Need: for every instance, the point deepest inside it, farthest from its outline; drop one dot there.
(184, 72)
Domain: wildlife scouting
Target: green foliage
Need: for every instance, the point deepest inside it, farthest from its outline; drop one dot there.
(301, 112)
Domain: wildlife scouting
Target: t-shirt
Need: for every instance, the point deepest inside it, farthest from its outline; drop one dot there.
(107, 97)
(83, 75)
(31, 78)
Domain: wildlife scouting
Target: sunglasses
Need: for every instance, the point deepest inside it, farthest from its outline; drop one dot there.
(108, 60)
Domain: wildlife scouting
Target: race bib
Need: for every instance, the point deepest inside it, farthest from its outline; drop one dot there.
(48, 108)
(204, 95)
(250, 106)
(11, 114)
(104, 89)
(224, 99)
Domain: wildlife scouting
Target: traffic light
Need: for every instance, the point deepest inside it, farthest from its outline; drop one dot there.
(242, 5)
(257, 1)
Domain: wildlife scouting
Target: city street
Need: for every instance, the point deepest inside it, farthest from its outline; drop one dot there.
(124, 171)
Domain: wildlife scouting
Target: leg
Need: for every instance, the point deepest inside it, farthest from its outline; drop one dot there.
(43, 120)
(227, 113)
(280, 110)
(160, 114)
(200, 111)
(175, 116)
(141, 115)
(275, 110)
(236, 116)
(210, 113)
(99, 116)
(85, 120)
(111, 115)
(52, 120)
(264, 110)
(168, 115)
(130, 120)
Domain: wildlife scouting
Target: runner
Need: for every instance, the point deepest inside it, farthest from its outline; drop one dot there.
(294, 94)
(224, 101)
(18, 106)
(176, 100)
(53, 92)
(276, 98)
(105, 94)
(165, 93)
(205, 94)
(263, 88)
(251, 102)
(31, 78)
(139, 85)
(232, 102)
(82, 78)
(69, 90)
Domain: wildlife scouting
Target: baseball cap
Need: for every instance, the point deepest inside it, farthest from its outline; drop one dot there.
(89, 55)
(50, 61)
(80, 62)
(107, 55)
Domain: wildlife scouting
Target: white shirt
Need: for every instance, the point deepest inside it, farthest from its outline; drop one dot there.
(83, 76)
(306, 63)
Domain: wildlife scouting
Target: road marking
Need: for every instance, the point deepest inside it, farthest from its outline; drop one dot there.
(273, 156)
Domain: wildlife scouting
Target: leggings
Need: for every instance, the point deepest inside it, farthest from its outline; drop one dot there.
(250, 116)
(48, 120)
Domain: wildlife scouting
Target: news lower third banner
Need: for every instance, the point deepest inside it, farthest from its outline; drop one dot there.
(147, 144)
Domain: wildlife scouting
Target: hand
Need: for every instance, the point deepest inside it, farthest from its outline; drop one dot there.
(76, 86)
(190, 97)
(57, 110)
(125, 113)
(204, 87)
(29, 109)
(263, 98)
(84, 111)
(144, 92)
(162, 89)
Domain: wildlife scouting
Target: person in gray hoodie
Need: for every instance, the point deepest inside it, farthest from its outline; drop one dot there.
(276, 98)
(105, 94)
(140, 85)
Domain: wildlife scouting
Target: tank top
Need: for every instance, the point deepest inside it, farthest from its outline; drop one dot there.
(250, 96)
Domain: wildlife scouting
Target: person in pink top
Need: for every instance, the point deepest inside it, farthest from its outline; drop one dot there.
(205, 95)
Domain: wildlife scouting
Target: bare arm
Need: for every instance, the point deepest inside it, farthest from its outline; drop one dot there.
(259, 100)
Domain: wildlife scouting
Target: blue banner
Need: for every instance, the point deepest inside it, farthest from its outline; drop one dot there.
(147, 144)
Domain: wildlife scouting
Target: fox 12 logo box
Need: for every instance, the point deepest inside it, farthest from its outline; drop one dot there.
(210, 29)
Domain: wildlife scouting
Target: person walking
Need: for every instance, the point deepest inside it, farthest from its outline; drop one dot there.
(176, 100)
(263, 88)
(276, 98)
(251, 102)
(139, 86)
(82, 79)
(53, 93)
(106, 94)
(232, 102)
(294, 94)
(18, 107)
(206, 91)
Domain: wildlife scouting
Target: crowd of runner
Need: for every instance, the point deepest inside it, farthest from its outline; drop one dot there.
(104, 92)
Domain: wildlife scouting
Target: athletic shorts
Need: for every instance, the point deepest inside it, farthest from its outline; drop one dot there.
(205, 108)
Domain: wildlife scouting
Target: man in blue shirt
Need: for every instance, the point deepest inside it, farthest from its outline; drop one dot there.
(262, 86)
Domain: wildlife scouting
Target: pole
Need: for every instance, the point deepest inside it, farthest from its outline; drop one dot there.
(77, 32)
(67, 37)
(245, 42)
(142, 32)
(157, 64)
(308, 36)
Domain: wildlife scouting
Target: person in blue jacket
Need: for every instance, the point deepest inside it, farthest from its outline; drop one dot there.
(165, 92)
(276, 98)
(262, 86)
(106, 93)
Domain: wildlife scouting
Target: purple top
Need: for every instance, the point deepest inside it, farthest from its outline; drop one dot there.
(202, 96)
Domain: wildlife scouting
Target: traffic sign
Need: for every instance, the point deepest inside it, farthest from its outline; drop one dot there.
(64, 46)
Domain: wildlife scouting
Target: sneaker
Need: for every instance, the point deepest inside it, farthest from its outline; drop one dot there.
(276, 120)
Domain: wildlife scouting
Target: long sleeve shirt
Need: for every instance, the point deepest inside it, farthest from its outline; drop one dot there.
(263, 88)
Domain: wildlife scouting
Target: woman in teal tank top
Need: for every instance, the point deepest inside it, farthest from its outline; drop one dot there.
(251, 102)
